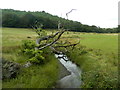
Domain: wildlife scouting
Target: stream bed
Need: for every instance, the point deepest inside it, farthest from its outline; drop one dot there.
(71, 80)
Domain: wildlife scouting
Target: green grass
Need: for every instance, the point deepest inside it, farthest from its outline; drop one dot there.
(12, 39)
(14, 36)
(36, 76)
(43, 76)
(98, 71)
(107, 43)
(97, 56)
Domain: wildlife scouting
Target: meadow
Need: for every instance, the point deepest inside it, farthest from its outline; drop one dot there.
(96, 55)
(36, 76)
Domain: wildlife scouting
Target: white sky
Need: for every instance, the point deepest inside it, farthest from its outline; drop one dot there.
(103, 13)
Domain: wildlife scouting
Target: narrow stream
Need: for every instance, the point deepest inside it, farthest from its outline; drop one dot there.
(70, 81)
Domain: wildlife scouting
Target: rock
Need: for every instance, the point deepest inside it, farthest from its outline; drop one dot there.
(28, 37)
(9, 69)
(28, 64)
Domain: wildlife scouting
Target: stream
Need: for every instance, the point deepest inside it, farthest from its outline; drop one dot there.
(71, 80)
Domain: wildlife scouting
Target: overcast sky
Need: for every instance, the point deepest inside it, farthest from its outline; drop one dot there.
(103, 13)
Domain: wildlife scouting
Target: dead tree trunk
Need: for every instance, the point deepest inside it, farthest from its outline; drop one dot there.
(52, 41)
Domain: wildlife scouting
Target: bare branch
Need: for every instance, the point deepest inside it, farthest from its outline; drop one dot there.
(68, 45)
(47, 37)
(55, 51)
(51, 40)
(49, 44)
(69, 12)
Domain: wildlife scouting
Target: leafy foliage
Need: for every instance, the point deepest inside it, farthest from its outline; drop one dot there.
(35, 56)
(37, 26)
(23, 19)
(35, 76)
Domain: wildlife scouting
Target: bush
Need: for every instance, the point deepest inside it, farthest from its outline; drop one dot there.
(35, 56)
(28, 44)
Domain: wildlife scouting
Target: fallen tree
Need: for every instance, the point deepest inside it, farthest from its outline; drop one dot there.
(52, 40)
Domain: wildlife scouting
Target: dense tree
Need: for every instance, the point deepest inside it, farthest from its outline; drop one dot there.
(10, 20)
(23, 19)
(118, 29)
(27, 20)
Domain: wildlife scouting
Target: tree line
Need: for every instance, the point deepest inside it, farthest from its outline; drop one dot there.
(25, 19)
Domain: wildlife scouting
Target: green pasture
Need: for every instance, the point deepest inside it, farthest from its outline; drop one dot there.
(97, 56)
(14, 36)
(36, 76)
(108, 43)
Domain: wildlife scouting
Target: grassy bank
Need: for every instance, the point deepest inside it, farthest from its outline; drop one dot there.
(97, 70)
(97, 56)
(36, 76)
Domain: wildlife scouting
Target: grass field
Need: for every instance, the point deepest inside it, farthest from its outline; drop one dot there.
(97, 56)
(108, 43)
(40, 76)
(14, 36)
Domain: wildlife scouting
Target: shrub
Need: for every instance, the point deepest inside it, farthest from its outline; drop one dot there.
(35, 56)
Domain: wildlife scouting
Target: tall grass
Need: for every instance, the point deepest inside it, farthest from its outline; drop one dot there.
(108, 43)
(43, 76)
(36, 76)
(14, 36)
(98, 70)
(97, 56)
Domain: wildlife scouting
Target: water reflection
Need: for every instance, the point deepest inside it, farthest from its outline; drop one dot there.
(73, 80)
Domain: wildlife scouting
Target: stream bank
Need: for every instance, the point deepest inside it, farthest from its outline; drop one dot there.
(70, 74)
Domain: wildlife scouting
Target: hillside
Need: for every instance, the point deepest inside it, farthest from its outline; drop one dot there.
(23, 19)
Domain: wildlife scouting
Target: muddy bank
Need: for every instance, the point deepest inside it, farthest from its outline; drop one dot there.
(62, 71)
(69, 75)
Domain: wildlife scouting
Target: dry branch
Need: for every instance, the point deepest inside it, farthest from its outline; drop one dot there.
(51, 40)
(68, 45)
(47, 37)
(54, 41)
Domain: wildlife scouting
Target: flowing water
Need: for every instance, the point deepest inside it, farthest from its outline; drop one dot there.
(74, 79)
